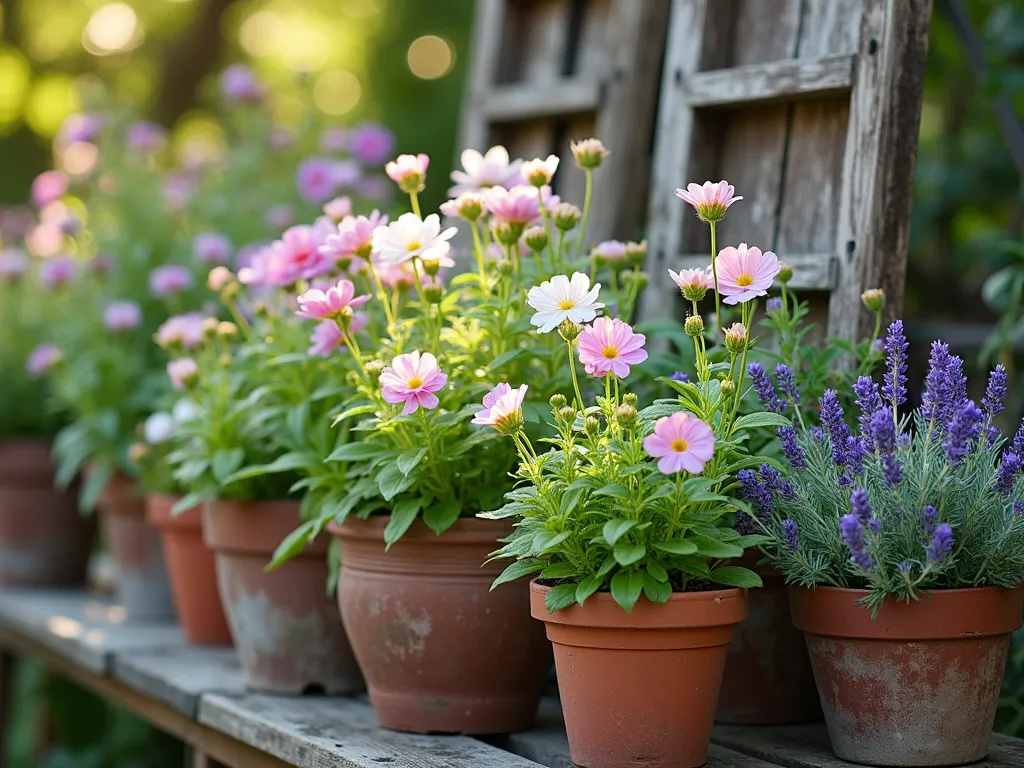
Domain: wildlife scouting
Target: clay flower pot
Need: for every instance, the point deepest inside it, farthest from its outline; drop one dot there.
(640, 688)
(44, 540)
(440, 651)
(919, 684)
(190, 566)
(142, 585)
(286, 627)
(768, 678)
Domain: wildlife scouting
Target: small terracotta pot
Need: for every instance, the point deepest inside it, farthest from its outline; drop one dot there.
(190, 566)
(919, 684)
(44, 540)
(142, 585)
(286, 627)
(768, 678)
(440, 651)
(640, 688)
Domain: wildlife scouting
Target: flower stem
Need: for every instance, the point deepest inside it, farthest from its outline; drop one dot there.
(575, 381)
(353, 347)
(479, 250)
(415, 202)
(423, 300)
(381, 293)
(714, 272)
(586, 211)
(547, 225)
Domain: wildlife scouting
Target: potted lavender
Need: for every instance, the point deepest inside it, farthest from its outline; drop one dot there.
(903, 540)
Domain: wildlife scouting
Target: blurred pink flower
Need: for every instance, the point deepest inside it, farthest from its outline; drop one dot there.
(100, 264)
(57, 271)
(211, 248)
(279, 218)
(345, 173)
(296, 256)
(376, 188)
(48, 186)
(681, 441)
(145, 135)
(46, 240)
(503, 408)
(183, 372)
(238, 83)
(327, 337)
(283, 138)
(518, 205)
(43, 358)
(122, 315)
(483, 171)
(80, 128)
(314, 181)
(353, 240)
(468, 205)
(711, 201)
(694, 283)
(337, 209)
(371, 143)
(185, 330)
(178, 190)
(13, 264)
(394, 275)
(539, 173)
(16, 222)
(335, 302)
(409, 172)
(745, 273)
(334, 139)
(610, 250)
(610, 345)
(169, 279)
(413, 379)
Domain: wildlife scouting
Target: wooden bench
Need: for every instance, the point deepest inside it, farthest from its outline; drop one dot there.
(197, 695)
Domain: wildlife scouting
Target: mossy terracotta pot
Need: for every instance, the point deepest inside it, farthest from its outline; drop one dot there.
(641, 688)
(918, 685)
(768, 678)
(190, 567)
(286, 627)
(440, 651)
(44, 540)
(142, 585)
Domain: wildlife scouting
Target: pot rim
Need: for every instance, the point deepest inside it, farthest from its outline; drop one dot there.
(255, 527)
(465, 530)
(939, 614)
(159, 515)
(712, 608)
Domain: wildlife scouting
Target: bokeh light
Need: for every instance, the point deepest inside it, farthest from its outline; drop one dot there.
(112, 28)
(336, 92)
(14, 82)
(261, 33)
(430, 57)
(53, 98)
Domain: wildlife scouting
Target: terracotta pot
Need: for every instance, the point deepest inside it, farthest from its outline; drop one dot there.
(190, 566)
(440, 651)
(919, 684)
(142, 585)
(286, 627)
(44, 540)
(640, 688)
(768, 678)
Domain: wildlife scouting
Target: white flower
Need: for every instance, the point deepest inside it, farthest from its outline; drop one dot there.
(184, 410)
(407, 238)
(560, 299)
(482, 171)
(539, 172)
(159, 428)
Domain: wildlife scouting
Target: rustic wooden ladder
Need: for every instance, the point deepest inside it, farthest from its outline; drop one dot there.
(811, 109)
(546, 71)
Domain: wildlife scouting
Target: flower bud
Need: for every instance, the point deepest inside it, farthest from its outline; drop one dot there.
(220, 278)
(507, 232)
(261, 309)
(536, 238)
(568, 330)
(433, 293)
(209, 327)
(227, 330)
(625, 415)
(567, 414)
(638, 279)
(589, 153)
(224, 359)
(506, 268)
(566, 216)
(138, 452)
(774, 304)
(874, 299)
(785, 273)
(591, 425)
(470, 205)
(636, 253)
(630, 398)
(431, 266)
(557, 401)
(374, 368)
(735, 338)
(694, 326)
(728, 387)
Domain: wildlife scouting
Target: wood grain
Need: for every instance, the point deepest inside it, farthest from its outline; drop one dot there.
(565, 96)
(735, 87)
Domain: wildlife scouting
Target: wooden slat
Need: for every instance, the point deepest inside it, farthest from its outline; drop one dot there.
(811, 271)
(488, 23)
(736, 87)
(525, 101)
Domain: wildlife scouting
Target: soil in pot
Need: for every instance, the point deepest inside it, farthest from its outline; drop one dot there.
(641, 688)
(191, 569)
(919, 684)
(44, 540)
(142, 585)
(286, 627)
(768, 678)
(440, 651)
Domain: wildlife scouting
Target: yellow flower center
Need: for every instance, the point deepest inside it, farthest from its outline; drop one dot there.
(414, 383)
(413, 246)
(679, 445)
(566, 304)
(744, 280)
(610, 353)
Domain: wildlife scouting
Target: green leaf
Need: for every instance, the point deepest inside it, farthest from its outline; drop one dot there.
(507, 357)
(441, 515)
(402, 516)
(226, 462)
(627, 554)
(656, 570)
(614, 529)
(545, 540)
(587, 587)
(762, 419)
(626, 587)
(613, 489)
(356, 452)
(558, 571)
(392, 482)
(95, 481)
(286, 463)
(709, 547)
(677, 546)
(407, 460)
(656, 591)
(190, 500)
(293, 543)
(358, 410)
(734, 576)
(572, 495)
(518, 569)
(560, 597)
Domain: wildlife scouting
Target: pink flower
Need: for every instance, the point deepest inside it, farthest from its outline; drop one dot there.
(13, 264)
(332, 303)
(296, 255)
(183, 372)
(333, 139)
(694, 283)
(279, 217)
(394, 275)
(745, 273)
(314, 179)
(517, 205)
(610, 345)
(185, 330)
(211, 248)
(122, 316)
(80, 128)
(178, 190)
(57, 271)
(409, 172)
(238, 84)
(710, 201)
(610, 250)
(48, 187)
(503, 408)
(169, 279)
(539, 172)
(371, 143)
(327, 337)
(681, 441)
(43, 358)
(100, 264)
(353, 239)
(413, 379)
(345, 173)
(145, 135)
(484, 171)
(338, 208)
(468, 205)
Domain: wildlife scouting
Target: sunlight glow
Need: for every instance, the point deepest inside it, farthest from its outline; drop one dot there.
(112, 28)
(336, 92)
(430, 57)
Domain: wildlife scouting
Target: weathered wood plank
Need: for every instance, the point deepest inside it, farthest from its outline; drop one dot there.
(567, 96)
(488, 22)
(736, 87)
(340, 733)
(811, 271)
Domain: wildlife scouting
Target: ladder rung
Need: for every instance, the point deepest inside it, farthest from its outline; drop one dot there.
(509, 103)
(811, 271)
(774, 81)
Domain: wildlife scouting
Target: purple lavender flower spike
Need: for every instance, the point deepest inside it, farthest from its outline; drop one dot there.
(964, 430)
(787, 490)
(853, 535)
(744, 524)
(995, 392)
(1018, 441)
(903, 441)
(1009, 470)
(861, 505)
(791, 448)
(787, 383)
(681, 376)
(789, 534)
(845, 481)
(881, 430)
(895, 388)
(891, 470)
(770, 476)
(868, 401)
(817, 434)
(941, 544)
(928, 519)
(856, 452)
(1018, 507)
(904, 567)
(765, 389)
(754, 491)
(945, 388)
(832, 420)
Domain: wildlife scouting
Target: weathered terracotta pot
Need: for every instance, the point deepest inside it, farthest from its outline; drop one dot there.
(44, 540)
(190, 566)
(440, 651)
(919, 684)
(640, 688)
(768, 678)
(286, 627)
(142, 585)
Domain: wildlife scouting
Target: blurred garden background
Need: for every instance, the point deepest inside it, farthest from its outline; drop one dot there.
(402, 63)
